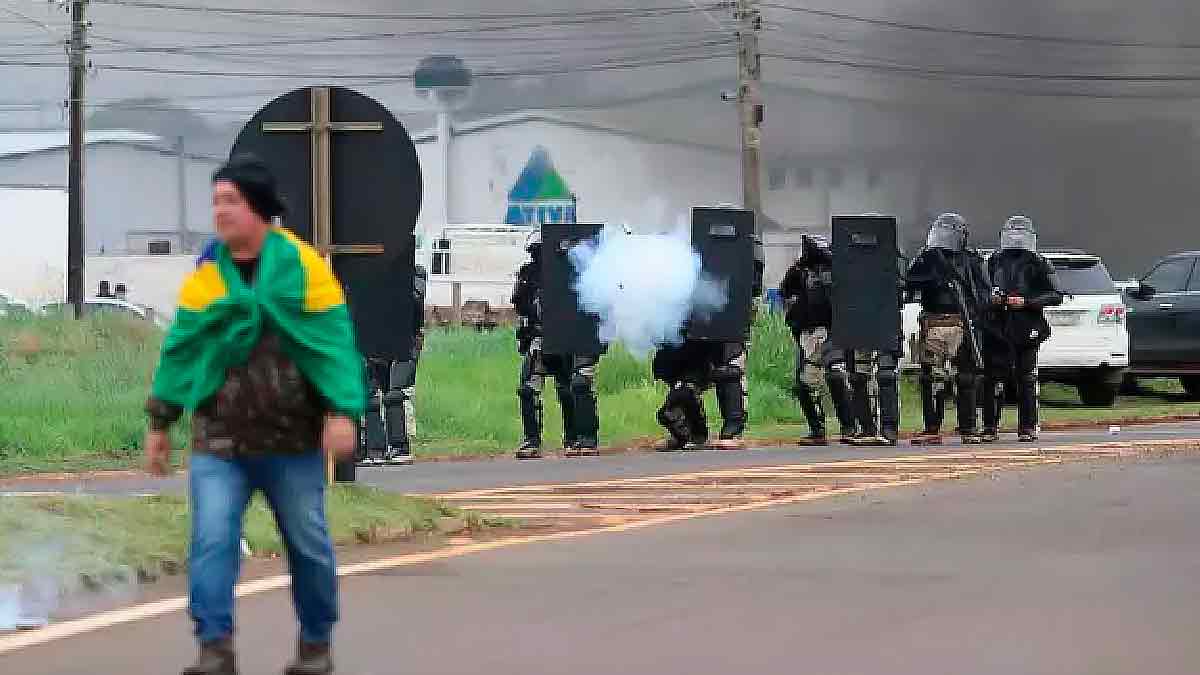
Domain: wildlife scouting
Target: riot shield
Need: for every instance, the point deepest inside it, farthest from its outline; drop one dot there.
(566, 328)
(724, 238)
(866, 304)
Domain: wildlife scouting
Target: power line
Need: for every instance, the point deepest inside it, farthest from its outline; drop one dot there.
(1039, 92)
(26, 19)
(394, 35)
(924, 70)
(619, 49)
(1024, 37)
(383, 77)
(613, 13)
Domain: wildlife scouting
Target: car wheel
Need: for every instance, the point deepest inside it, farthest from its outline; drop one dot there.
(1098, 393)
(1191, 386)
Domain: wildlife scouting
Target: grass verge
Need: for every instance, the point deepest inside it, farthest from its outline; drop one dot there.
(76, 539)
(72, 394)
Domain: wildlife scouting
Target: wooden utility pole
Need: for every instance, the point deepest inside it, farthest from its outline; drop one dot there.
(750, 106)
(75, 219)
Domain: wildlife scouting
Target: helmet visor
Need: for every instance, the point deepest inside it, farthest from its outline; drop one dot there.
(1018, 239)
(947, 237)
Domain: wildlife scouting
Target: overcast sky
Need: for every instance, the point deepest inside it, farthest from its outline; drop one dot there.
(657, 67)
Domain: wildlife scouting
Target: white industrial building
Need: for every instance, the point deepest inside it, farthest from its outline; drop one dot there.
(614, 176)
(145, 199)
(142, 194)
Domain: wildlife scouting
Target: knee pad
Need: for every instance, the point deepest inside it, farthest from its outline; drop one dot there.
(727, 373)
(581, 383)
(394, 397)
(887, 378)
(837, 372)
(966, 380)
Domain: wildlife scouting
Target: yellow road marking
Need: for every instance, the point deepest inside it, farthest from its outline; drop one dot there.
(788, 470)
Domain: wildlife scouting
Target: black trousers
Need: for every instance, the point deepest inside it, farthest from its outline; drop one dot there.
(1008, 366)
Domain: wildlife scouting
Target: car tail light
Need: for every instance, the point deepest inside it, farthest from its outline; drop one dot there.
(1111, 314)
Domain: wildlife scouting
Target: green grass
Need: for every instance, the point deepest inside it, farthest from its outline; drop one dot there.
(114, 538)
(71, 394)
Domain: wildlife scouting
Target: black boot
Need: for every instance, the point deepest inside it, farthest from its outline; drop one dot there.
(863, 412)
(731, 399)
(673, 418)
(933, 403)
(966, 404)
(530, 448)
(839, 393)
(215, 658)
(991, 400)
(567, 403)
(531, 423)
(585, 418)
(889, 406)
(697, 421)
(374, 431)
(1027, 401)
(311, 659)
(814, 414)
(399, 451)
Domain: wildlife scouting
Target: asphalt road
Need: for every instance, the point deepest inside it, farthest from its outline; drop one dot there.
(1078, 569)
(437, 477)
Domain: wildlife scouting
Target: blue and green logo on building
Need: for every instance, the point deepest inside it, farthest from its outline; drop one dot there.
(540, 194)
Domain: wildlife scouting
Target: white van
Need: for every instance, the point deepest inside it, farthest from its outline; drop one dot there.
(1089, 341)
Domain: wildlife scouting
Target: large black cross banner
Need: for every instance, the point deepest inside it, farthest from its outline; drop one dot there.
(352, 182)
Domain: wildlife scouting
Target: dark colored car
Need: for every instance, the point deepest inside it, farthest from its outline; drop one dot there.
(1164, 322)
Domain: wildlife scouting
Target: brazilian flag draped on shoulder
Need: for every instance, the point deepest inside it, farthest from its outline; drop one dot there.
(220, 320)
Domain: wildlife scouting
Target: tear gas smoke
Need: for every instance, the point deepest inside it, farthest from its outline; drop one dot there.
(47, 574)
(644, 287)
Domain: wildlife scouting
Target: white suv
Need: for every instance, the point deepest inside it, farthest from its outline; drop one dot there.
(1089, 342)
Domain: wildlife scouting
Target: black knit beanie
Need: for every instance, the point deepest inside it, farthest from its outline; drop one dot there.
(256, 183)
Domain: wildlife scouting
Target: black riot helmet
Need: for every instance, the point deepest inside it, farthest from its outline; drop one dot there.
(949, 231)
(1018, 233)
(814, 248)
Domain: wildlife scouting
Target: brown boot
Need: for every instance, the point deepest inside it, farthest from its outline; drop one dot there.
(927, 438)
(312, 658)
(216, 658)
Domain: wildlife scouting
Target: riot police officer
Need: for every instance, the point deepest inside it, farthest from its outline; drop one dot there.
(728, 372)
(390, 421)
(951, 283)
(574, 374)
(807, 293)
(1024, 284)
(875, 386)
(687, 369)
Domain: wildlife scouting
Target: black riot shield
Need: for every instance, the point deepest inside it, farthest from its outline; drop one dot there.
(337, 152)
(566, 328)
(724, 238)
(866, 303)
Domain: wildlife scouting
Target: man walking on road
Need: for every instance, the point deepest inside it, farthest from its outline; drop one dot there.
(263, 353)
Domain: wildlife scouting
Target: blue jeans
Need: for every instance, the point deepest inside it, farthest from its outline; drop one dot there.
(294, 486)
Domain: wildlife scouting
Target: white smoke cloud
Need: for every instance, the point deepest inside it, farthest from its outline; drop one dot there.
(644, 287)
(46, 571)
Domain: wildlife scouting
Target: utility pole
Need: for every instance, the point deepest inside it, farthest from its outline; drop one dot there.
(75, 226)
(750, 106)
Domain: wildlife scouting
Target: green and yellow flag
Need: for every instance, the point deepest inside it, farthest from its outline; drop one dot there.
(220, 319)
